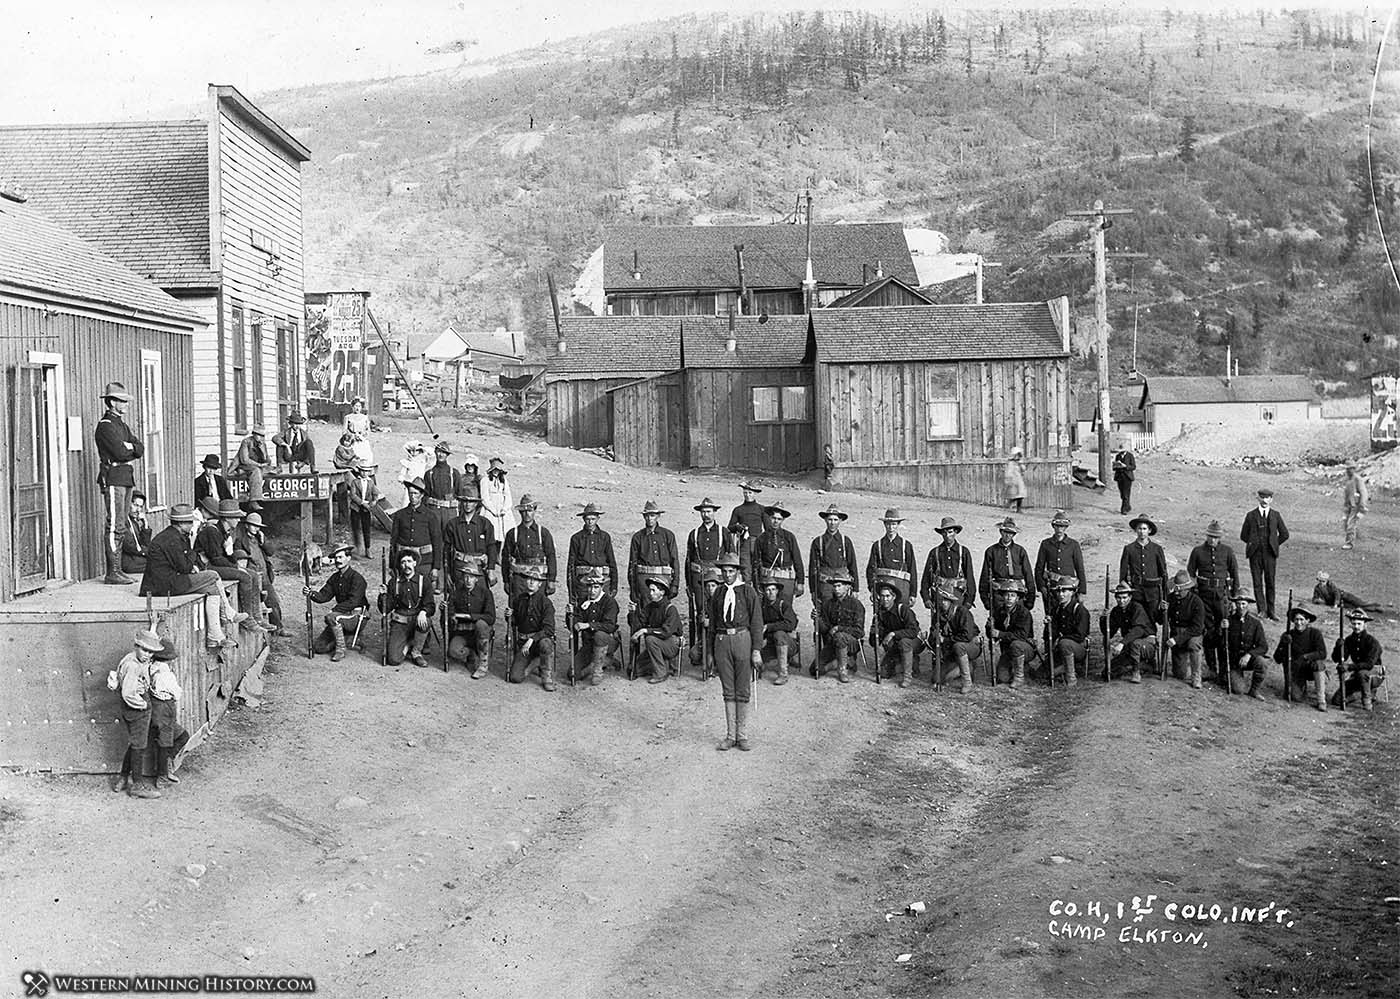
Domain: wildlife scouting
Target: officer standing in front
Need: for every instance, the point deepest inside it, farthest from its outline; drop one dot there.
(117, 449)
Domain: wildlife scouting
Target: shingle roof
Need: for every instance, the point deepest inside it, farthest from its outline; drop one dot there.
(937, 332)
(780, 342)
(37, 255)
(860, 296)
(138, 191)
(775, 256)
(1242, 388)
(613, 346)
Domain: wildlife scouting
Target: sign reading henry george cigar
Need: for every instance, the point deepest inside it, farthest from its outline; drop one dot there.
(306, 486)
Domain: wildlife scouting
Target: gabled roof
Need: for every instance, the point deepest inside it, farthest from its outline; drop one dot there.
(448, 345)
(138, 191)
(775, 256)
(618, 346)
(41, 258)
(501, 343)
(1195, 389)
(937, 333)
(861, 296)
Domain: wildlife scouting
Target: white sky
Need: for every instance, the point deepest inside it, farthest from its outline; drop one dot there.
(94, 60)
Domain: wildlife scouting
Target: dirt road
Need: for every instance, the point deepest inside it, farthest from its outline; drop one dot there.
(399, 832)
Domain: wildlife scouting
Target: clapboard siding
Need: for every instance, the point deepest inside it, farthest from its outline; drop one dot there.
(720, 427)
(96, 351)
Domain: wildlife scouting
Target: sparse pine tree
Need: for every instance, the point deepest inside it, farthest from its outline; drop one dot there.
(1256, 317)
(1231, 244)
(1232, 328)
(1202, 329)
(967, 57)
(1142, 47)
(1186, 143)
(1200, 36)
(1116, 153)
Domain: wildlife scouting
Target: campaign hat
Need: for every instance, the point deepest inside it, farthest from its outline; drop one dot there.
(230, 510)
(705, 504)
(1142, 518)
(832, 511)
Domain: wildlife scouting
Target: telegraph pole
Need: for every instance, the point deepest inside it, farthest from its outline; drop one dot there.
(1100, 220)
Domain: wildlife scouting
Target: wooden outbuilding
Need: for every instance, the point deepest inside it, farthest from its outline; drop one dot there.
(595, 354)
(931, 400)
(208, 210)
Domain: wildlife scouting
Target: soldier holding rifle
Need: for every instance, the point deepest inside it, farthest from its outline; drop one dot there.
(1067, 627)
(1131, 637)
(779, 626)
(892, 558)
(594, 625)
(1302, 652)
(954, 635)
(346, 587)
(1246, 645)
(894, 631)
(1186, 625)
(1212, 564)
(1358, 659)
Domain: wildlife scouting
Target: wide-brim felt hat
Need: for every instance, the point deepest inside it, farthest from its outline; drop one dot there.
(892, 516)
(1059, 581)
(1243, 596)
(1357, 614)
(840, 577)
(711, 576)
(1123, 588)
(1008, 525)
(832, 511)
(1214, 530)
(147, 640)
(591, 510)
(594, 574)
(1143, 519)
(949, 524)
(212, 461)
(1304, 612)
(1061, 519)
(527, 502)
(661, 581)
(210, 506)
(416, 483)
(705, 504)
(729, 559)
(346, 549)
(533, 572)
(885, 584)
(471, 568)
(1008, 586)
(1182, 580)
(230, 510)
(751, 486)
(181, 513)
(253, 520)
(777, 508)
(650, 506)
(116, 390)
(950, 589)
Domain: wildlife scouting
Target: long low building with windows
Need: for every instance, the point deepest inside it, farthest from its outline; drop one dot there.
(922, 399)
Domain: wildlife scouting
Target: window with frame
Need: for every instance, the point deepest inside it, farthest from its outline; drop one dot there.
(258, 323)
(781, 403)
(153, 429)
(1268, 413)
(239, 350)
(942, 407)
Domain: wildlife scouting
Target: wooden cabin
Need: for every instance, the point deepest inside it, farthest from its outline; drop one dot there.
(746, 269)
(595, 354)
(741, 399)
(71, 320)
(208, 210)
(930, 400)
(882, 293)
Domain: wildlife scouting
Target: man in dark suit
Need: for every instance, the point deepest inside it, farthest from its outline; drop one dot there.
(1124, 472)
(1263, 535)
(171, 571)
(210, 482)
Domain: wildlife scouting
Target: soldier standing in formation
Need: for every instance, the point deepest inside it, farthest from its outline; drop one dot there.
(703, 547)
(590, 548)
(949, 560)
(652, 555)
(416, 529)
(737, 644)
(527, 543)
(1006, 560)
(1059, 555)
(1213, 566)
(470, 540)
(1263, 534)
(892, 558)
(440, 486)
(831, 553)
(774, 552)
(1144, 565)
(346, 587)
(746, 521)
(117, 449)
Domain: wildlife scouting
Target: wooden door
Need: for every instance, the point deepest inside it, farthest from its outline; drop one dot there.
(671, 423)
(29, 479)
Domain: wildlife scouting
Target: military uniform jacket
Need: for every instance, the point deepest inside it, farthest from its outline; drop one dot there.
(346, 588)
(1301, 648)
(1215, 570)
(706, 544)
(1186, 616)
(1006, 562)
(747, 616)
(746, 522)
(1362, 649)
(169, 564)
(112, 436)
(592, 548)
(898, 621)
(408, 596)
(1260, 534)
(213, 546)
(891, 553)
(1072, 622)
(1141, 564)
(529, 546)
(440, 482)
(949, 562)
(475, 600)
(471, 537)
(601, 613)
(1246, 637)
(653, 547)
(1018, 625)
(832, 551)
(415, 527)
(774, 550)
(657, 616)
(1130, 623)
(959, 626)
(533, 615)
(1063, 557)
(843, 614)
(778, 615)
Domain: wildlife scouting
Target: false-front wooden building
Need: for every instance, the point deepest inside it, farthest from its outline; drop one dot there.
(931, 400)
(209, 211)
(746, 269)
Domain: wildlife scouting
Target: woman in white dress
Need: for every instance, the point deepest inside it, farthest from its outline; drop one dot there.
(413, 464)
(357, 420)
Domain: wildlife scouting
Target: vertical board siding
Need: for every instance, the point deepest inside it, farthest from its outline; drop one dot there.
(721, 432)
(95, 352)
(579, 411)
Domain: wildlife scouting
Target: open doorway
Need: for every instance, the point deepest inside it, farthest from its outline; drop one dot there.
(37, 474)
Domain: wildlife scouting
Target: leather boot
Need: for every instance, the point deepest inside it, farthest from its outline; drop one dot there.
(1366, 701)
(731, 725)
(1018, 672)
(1070, 678)
(547, 671)
(338, 636)
(741, 726)
(1196, 670)
(906, 662)
(1254, 686)
(115, 576)
(1320, 682)
(841, 675)
(782, 676)
(965, 669)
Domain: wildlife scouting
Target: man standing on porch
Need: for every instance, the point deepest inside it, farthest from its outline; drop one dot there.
(117, 449)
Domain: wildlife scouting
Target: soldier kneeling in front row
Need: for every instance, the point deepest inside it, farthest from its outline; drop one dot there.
(779, 626)
(595, 623)
(408, 601)
(532, 614)
(1302, 652)
(347, 588)
(840, 627)
(895, 631)
(1358, 659)
(472, 612)
(954, 636)
(1070, 648)
(1132, 639)
(1012, 628)
(1246, 647)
